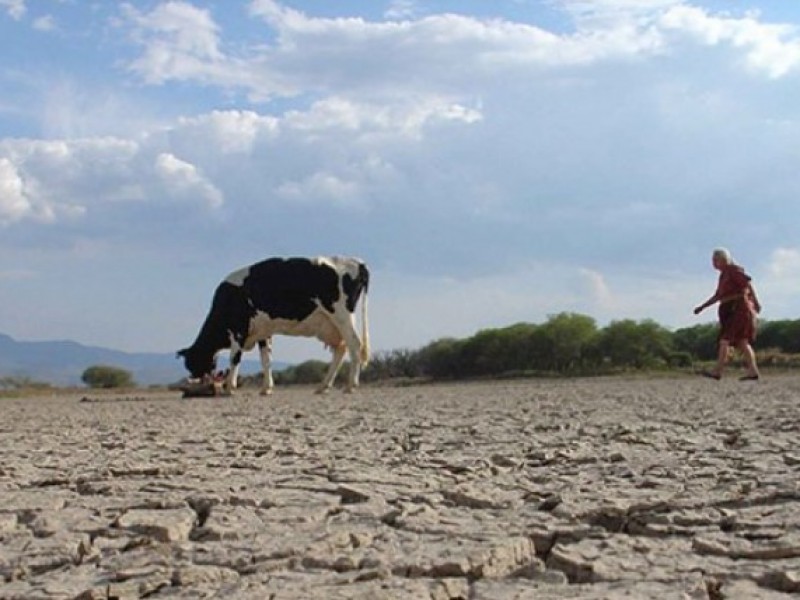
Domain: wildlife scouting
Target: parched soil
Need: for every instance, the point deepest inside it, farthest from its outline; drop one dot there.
(661, 488)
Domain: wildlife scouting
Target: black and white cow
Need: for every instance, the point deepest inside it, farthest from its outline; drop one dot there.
(311, 297)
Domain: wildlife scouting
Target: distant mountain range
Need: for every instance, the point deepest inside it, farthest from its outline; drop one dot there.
(63, 362)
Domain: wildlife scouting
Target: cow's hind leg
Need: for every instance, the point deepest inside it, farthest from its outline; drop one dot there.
(265, 349)
(345, 325)
(337, 356)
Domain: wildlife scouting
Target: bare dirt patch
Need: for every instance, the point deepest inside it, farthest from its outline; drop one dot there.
(595, 488)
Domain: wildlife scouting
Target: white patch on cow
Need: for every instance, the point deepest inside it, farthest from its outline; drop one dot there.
(341, 264)
(318, 324)
(233, 371)
(234, 344)
(326, 261)
(237, 277)
(268, 382)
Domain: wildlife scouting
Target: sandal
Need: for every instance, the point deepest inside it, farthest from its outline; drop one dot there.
(710, 375)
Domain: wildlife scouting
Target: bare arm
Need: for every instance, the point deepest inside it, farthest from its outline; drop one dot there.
(722, 300)
(712, 300)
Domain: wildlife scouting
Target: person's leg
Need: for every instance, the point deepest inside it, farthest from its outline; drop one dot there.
(749, 358)
(722, 357)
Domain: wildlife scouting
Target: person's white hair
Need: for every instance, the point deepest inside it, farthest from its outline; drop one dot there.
(723, 254)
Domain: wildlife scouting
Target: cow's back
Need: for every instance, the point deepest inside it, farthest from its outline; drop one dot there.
(288, 288)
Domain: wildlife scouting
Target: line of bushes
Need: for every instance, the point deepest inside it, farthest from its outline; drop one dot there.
(566, 344)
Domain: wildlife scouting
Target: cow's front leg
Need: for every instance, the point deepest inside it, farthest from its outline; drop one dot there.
(232, 379)
(265, 349)
(337, 356)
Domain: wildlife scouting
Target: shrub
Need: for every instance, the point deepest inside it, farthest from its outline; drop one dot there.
(310, 371)
(104, 376)
(679, 360)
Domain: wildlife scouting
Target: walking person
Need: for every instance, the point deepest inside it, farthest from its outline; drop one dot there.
(738, 307)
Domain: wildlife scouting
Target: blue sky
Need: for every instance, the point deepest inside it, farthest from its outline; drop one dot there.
(493, 162)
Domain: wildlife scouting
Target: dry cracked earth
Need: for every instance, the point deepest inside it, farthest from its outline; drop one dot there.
(661, 488)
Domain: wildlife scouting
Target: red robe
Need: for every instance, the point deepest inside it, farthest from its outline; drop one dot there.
(737, 316)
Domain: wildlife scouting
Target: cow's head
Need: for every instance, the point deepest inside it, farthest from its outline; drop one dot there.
(198, 363)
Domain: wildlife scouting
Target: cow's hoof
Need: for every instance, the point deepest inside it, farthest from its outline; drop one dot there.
(265, 393)
(322, 391)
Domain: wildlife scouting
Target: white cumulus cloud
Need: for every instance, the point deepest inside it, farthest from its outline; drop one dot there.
(599, 289)
(402, 9)
(13, 203)
(772, 49)
(180, 41)
(321, 187)
(183, 180)
(45, 23)
(785, 263)
(230, 131)
(15, 8)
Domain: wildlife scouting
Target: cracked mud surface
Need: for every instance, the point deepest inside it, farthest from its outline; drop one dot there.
(596, 489)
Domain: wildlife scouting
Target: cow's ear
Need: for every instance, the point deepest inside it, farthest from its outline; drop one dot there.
(181, 353)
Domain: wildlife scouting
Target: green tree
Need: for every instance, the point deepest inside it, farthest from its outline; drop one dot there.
(518, 350)
(700, 341)
(441, 359)
(642, 344)
(784, 335)
(105, 376)
(564, 340)
(482, 354)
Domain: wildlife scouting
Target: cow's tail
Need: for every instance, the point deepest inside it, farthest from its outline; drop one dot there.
(364, 328)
